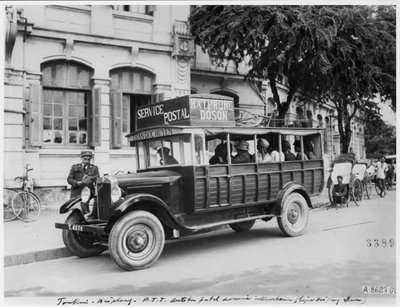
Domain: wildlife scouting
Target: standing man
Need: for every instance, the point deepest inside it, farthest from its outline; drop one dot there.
(78, 172)
(381, 170)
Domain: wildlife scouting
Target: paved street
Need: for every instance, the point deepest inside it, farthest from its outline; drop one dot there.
(337, 257)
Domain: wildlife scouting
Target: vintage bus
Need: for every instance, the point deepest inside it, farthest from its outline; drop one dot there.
(176, 191)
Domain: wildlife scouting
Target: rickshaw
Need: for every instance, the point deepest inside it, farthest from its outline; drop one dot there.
(353, 174)
(360, 171)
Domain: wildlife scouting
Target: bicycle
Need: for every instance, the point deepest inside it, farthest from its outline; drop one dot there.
(24, 204)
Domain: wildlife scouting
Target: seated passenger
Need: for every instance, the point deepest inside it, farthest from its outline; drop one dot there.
(167, 159)
(263, 154)
(309, 150)
(221, 154)
(297, 148)
(276, 156)
(289, 156)
(243, 155)
(339, 191)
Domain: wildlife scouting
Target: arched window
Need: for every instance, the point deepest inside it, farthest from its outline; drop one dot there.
(66, 104)
(320, 121)
(130, 88)
(229, 94)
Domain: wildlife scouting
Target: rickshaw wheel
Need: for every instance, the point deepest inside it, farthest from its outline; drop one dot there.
(357, 191)
(368, 187)
(330, 194)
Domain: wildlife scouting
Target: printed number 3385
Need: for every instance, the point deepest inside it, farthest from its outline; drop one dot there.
(380, 243)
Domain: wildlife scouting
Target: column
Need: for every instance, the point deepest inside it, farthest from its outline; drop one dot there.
(13, 126)
(102, 152)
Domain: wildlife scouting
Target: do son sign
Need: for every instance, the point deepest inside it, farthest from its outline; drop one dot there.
(203, 110)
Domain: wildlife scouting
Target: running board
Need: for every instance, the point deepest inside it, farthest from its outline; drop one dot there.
(233, 221)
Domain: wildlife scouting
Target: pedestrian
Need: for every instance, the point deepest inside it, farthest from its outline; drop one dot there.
(339, 191)
(82, 174)
(243, 155)
(381, 170)
(263, 154)
(165, 157)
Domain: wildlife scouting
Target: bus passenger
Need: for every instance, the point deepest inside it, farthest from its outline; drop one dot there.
(309, 150)
(221, 154)
(276, 155)
(289, 156)
(243, 155)
(297, 148)
(263, 154)
(166, 158)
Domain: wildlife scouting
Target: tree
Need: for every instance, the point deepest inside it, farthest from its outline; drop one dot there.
(380, 138)
(361, 59)
(271, 40)
(339, 54)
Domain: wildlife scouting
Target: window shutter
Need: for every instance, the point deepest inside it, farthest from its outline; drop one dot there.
(35, 114)
(116, 119)
(96, 117)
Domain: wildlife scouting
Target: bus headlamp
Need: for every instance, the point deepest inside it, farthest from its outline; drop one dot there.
(115, 194)
(85, 194)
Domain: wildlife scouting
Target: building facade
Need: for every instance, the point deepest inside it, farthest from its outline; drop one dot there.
(75, 74)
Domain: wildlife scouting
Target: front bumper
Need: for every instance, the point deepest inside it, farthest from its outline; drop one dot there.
(92, 229)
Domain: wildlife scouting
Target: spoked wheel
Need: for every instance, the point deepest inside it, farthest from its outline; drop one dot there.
(8, 195)
(330, 194)
(26, 206)
(293, 219)
(368, 187)
(80, 244)
(242, 226)
(357, 191)
(136, 240)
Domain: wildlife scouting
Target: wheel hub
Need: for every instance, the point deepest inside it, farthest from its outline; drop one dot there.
(137, 241)
(293, 215)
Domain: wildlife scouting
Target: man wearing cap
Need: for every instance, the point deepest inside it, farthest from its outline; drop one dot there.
(243, 155)
(165, 157)
(78, 171)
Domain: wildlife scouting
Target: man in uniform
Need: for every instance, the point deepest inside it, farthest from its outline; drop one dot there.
(78, 172)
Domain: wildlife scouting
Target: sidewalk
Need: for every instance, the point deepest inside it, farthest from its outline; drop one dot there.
(40, 240)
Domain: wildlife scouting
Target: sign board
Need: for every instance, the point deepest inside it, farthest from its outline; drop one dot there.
(202, 110)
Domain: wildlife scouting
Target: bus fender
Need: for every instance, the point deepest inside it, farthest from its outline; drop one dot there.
(152, 204)
(289, 188)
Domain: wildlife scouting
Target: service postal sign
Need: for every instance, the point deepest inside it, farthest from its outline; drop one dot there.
(202, 110)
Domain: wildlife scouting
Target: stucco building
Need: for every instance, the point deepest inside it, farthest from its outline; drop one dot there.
(74, 75)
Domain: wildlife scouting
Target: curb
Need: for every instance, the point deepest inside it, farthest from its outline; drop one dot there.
(62, 252)
(37, 256)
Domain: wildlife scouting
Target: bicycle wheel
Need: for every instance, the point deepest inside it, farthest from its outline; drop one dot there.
(26, 206)
(368, 187)
(8, 214)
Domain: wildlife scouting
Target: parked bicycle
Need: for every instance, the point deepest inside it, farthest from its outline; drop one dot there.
(24, 204)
